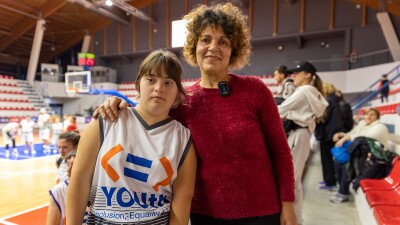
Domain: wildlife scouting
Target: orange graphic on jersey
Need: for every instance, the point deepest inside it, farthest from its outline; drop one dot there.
(104, 162)
(168, 169)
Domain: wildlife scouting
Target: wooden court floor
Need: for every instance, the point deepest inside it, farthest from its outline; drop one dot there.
(24, 184)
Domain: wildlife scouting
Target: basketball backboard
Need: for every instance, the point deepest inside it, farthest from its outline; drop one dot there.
(77, 82)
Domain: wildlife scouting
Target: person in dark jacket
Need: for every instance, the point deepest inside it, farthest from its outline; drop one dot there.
(346, 112)
(384, 90)
(332, 124)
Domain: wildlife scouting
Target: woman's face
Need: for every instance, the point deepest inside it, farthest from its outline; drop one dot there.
(213, 51)
(301, 78)
(370, 117)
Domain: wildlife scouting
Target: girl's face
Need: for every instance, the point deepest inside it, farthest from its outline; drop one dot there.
(158, 93)
(301, 78)
(370, 117)
(213, 51)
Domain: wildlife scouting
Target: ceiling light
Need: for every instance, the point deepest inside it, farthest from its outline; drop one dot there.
(109, 3)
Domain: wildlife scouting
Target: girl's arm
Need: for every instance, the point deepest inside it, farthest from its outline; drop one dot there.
(183, 189)
(82, 173)
(53, 214)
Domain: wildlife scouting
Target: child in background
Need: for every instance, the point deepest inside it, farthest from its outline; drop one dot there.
(9, 133)
(27, 134)
(57, 129)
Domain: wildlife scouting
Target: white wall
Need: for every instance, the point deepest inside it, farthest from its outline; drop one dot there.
(357, 80)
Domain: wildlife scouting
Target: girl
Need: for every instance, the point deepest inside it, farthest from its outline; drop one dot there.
(146, 165)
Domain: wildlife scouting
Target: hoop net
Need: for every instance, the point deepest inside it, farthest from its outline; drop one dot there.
(71, 92)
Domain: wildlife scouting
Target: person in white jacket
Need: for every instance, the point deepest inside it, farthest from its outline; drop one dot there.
(370, 127)
(306, 105)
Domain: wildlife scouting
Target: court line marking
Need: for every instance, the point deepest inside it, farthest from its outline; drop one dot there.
(23, 212)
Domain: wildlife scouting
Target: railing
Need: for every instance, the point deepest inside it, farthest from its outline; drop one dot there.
(369, 93)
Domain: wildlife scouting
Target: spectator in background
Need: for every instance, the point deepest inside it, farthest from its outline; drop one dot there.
(67, 142)
(346, 112)
(27, 134)
(72, 124)
(44, 129)
(57, 129)
(332, 124)
(384, 90)
(304, 108)
(286, 85)
(9, 133)
(65, 121)
(370, 127)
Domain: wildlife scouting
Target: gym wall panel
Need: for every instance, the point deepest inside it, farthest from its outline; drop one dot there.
(142, 32)
(126, 37)
(317, 15)
(263, 18)
(347, 14)
(98, 40)
(289, 17)
(112, 38)
(160, 28)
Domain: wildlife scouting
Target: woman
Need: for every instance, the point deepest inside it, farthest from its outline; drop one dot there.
(245, 170)
(145, 168)
(370, 127)
(306, 105)
(332, 124)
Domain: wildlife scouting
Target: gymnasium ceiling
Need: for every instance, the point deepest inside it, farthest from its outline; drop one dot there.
(67, 21)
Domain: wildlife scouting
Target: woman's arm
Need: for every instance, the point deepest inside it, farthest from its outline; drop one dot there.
(183, 189)
(110, 108)
(53, 214)
(82, 173)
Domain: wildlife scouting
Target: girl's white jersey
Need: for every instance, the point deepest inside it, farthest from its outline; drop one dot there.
(135, 169)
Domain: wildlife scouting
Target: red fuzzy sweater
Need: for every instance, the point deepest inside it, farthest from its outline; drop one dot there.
(244, 163)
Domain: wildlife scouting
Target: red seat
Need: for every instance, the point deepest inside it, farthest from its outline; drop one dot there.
(387, 215)
(383, 197)
(388, 183)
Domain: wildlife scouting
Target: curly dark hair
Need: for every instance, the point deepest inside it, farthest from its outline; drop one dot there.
(226, 16)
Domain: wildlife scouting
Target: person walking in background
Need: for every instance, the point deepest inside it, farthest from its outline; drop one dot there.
(57, 129)
(27, 134)
(286, 85)
(44, 129)
(304, 108)
(220, 111)
(332, 124)
(384, 90)
(67, 142)
(9, 133)
(152, 156)
(346, 112)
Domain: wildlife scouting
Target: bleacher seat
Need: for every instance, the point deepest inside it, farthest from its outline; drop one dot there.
(383, 197)
(387, 215)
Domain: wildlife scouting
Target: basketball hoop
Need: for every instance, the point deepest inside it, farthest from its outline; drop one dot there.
(71, 92)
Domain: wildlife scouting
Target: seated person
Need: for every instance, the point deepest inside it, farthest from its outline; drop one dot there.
(370, 127)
